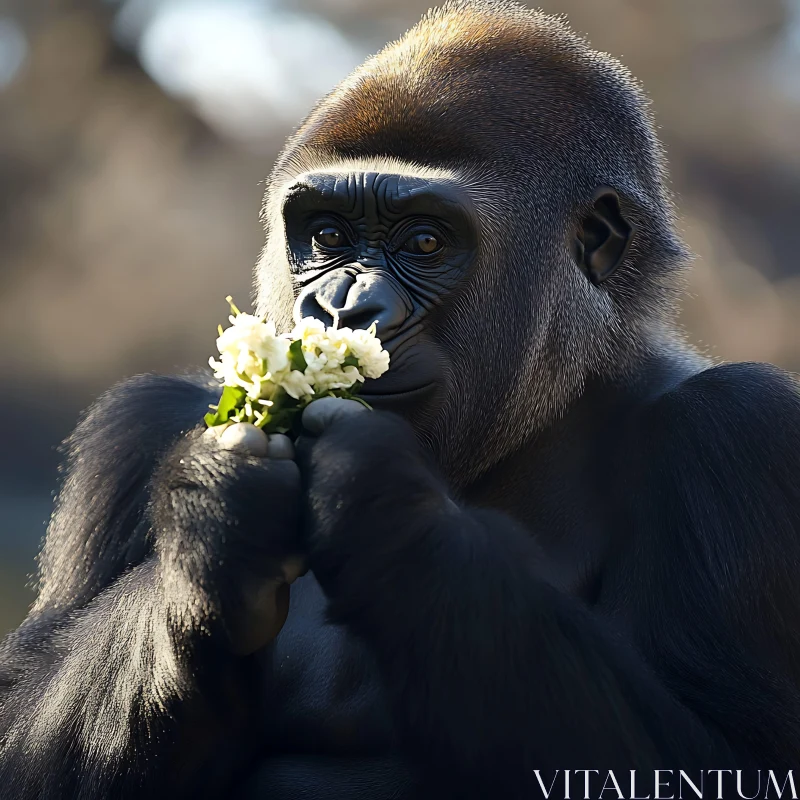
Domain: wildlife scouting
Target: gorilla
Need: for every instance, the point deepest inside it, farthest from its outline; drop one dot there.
(563, 540)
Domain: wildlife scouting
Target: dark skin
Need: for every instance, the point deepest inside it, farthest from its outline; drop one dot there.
(381, 248)
(572, 545)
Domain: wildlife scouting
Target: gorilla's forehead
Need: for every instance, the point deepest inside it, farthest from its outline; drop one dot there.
(388, 188)
(341, 187)
(372, 192)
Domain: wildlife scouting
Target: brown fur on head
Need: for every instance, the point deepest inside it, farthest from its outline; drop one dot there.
(531, 121)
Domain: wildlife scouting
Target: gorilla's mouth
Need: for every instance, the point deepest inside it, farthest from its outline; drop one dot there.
(389, 397)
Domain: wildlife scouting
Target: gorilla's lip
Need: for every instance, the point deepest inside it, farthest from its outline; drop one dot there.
(413, 378)
(406, 393)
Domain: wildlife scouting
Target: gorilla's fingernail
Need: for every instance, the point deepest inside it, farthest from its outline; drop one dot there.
(279, 446)
(245, 438)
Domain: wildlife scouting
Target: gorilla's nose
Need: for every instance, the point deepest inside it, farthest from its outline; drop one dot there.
(356, 299)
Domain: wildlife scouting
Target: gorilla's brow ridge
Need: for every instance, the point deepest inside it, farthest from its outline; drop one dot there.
(325, 188)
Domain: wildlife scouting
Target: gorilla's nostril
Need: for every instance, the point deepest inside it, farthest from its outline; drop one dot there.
(311, 307)
(362, 317)
(323, 298)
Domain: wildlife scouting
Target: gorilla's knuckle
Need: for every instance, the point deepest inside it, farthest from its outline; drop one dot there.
(375, 436)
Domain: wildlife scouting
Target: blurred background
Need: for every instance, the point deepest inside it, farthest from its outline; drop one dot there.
(135, 136)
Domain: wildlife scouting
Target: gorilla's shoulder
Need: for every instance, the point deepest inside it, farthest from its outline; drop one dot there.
(724, 452)
(737, 398)
(716, 461)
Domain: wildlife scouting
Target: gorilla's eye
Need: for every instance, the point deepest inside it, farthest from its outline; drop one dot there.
(421, 244)
(329, 238)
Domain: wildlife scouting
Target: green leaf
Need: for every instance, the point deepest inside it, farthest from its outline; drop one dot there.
(296, 356)
(212, 419)
(231, 400)
(350, 361)
(280, 398)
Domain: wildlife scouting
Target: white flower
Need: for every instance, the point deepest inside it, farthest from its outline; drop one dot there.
(250, 337)
(254, 357)
(295, 383)
(307, 329)
(250, 352)
(326, 349)
(373, 360)
(344, 378)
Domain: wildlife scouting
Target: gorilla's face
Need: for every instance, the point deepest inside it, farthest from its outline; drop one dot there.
(394, 249)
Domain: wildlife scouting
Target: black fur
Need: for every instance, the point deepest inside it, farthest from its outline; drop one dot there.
(121, 682)
(674, 646)
(686, 654)
(584, 555)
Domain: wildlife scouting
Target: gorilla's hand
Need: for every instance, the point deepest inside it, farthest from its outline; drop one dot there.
(225, 518)
(364, 473)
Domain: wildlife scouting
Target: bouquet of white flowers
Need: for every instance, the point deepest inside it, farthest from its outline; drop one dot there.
(269, 378)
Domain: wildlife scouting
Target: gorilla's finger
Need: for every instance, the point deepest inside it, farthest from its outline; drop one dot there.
(242, 437)
(279, 446)
(321, 414)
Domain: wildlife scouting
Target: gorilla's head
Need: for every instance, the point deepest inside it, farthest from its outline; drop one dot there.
(491, 190)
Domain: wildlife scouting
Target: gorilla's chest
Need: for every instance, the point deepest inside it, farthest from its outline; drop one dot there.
(323, 695)
(328, 727)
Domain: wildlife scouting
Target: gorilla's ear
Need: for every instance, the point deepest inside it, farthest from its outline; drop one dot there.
(602, 238)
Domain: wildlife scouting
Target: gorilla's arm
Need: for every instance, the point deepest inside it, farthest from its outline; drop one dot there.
(716, 507)
(124, 680)
(494, 672)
